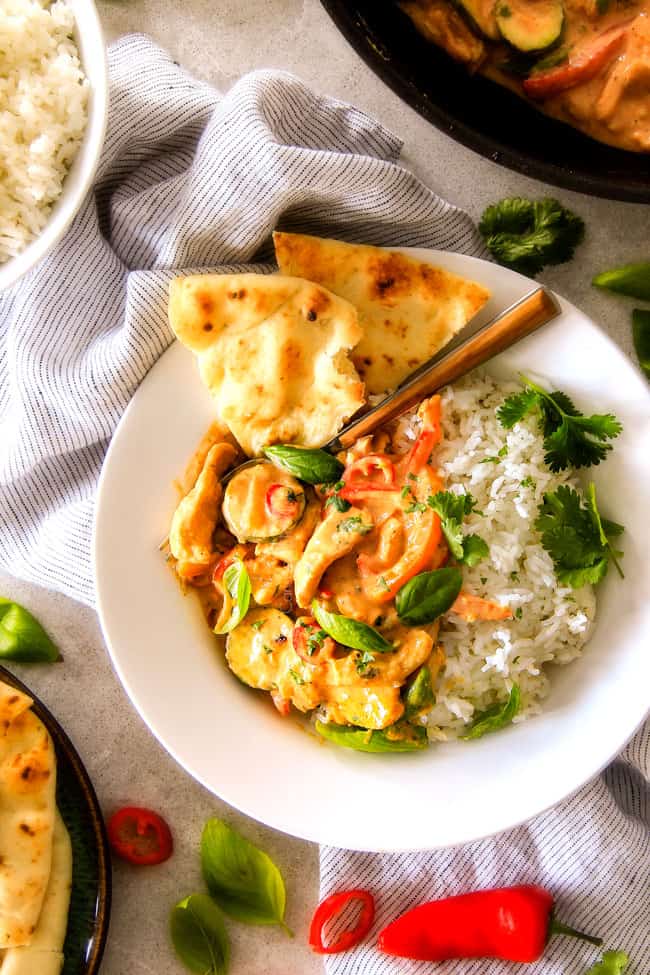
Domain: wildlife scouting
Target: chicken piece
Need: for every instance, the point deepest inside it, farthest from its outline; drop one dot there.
(367, 707)
(195, 519)
(439, 22)
(336, 536)
(271, 569)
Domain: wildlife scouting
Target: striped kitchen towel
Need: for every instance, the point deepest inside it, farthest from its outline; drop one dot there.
(194, 179)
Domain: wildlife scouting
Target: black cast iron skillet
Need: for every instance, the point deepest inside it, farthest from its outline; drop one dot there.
(481, 114)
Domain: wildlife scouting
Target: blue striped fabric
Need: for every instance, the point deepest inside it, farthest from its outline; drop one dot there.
(194, 179)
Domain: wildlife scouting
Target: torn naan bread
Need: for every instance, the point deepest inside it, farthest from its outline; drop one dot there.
(44, 955)
(408, 309)
(27, 809)
(273, 351)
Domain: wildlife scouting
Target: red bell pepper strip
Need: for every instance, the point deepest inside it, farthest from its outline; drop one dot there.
(472, 608)
(430, 435)
(581, 66)
(333, 906)
(140, 836)
(374, 472)
(512, 923)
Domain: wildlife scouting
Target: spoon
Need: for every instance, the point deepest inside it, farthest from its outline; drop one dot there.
(518, 320)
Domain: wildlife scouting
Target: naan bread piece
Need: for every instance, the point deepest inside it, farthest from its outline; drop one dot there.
(27, 808)
(44, 956)
(273, 351)
(12, 703)
(408, 309)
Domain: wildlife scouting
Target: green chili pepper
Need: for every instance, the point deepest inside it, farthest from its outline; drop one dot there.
(22, 638)
(408, 738)
(632, 280)
(419, 695)
(641, 336)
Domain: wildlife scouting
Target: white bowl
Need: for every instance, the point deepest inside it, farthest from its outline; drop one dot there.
(92, 52)
(232, 740)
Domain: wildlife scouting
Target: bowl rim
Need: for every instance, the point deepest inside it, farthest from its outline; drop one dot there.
(89, 37)
(344, 16)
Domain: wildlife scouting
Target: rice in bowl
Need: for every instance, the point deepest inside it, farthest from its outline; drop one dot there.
(506, 474)
(43, 115)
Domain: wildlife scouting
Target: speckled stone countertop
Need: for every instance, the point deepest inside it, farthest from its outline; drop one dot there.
(219, 42)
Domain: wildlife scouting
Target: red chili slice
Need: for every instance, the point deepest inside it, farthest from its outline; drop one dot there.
(333, 906)
(429, 437)
(140, 836)
(307, 644)
(281, 502)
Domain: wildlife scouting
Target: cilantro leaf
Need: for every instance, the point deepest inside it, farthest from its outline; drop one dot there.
(475, 549)
(570, 439)
(575, 537)
(526, 235)
(452, 509)
(516, 407)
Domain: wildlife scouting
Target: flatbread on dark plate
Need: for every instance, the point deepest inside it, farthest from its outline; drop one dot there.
(482, 114)
(90, 900)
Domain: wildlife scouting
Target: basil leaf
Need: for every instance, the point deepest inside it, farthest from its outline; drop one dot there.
(496, 717)
(237, 586)
(308, 465)
(419, 695)
(244, 881)
(375, 742)
(427, 596)
(22, 638)
(199, 935)
(351, 633)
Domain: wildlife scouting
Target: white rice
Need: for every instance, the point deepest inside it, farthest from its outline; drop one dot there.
(485, 658)
(43, 114)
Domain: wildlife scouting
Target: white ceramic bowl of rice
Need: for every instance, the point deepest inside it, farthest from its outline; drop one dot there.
(53, 110)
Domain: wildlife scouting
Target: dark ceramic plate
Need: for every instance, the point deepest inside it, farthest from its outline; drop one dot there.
(90, 901)
(481, 114)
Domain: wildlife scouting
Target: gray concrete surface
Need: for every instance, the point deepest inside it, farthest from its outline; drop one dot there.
(219, 41)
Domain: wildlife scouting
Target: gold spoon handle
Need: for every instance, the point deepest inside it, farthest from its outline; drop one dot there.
(515, 323)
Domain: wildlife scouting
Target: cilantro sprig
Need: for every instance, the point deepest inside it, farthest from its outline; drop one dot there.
(570, 438)
(526, 235)
(452, 509)
(576, 536)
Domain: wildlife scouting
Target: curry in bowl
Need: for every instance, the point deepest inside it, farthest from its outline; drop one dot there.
(585, 62)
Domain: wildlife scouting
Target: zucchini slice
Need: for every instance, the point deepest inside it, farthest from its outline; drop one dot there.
(530, 25)
(262, 503)
(481, 16)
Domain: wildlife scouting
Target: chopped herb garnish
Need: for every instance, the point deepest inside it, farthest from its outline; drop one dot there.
(576, 537)
(257, 625)
(315, 641)
(528, 482)
(514, 575)
(297, 678)
(570, 438)
(411, 476)
(267, 648)
(406, 490)
(519, 613)
(363, 660)
(418, 506)
(338, 503)
(355, 524)
(385, 586)
(490, 459)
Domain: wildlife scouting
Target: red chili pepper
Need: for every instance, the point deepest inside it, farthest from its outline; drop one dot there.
(140, 836)
(281, 502)
(513, 923)
(281, 703)
(333, 906)
(305, 642)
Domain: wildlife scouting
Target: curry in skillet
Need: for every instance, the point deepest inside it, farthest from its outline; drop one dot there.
(585, 62)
